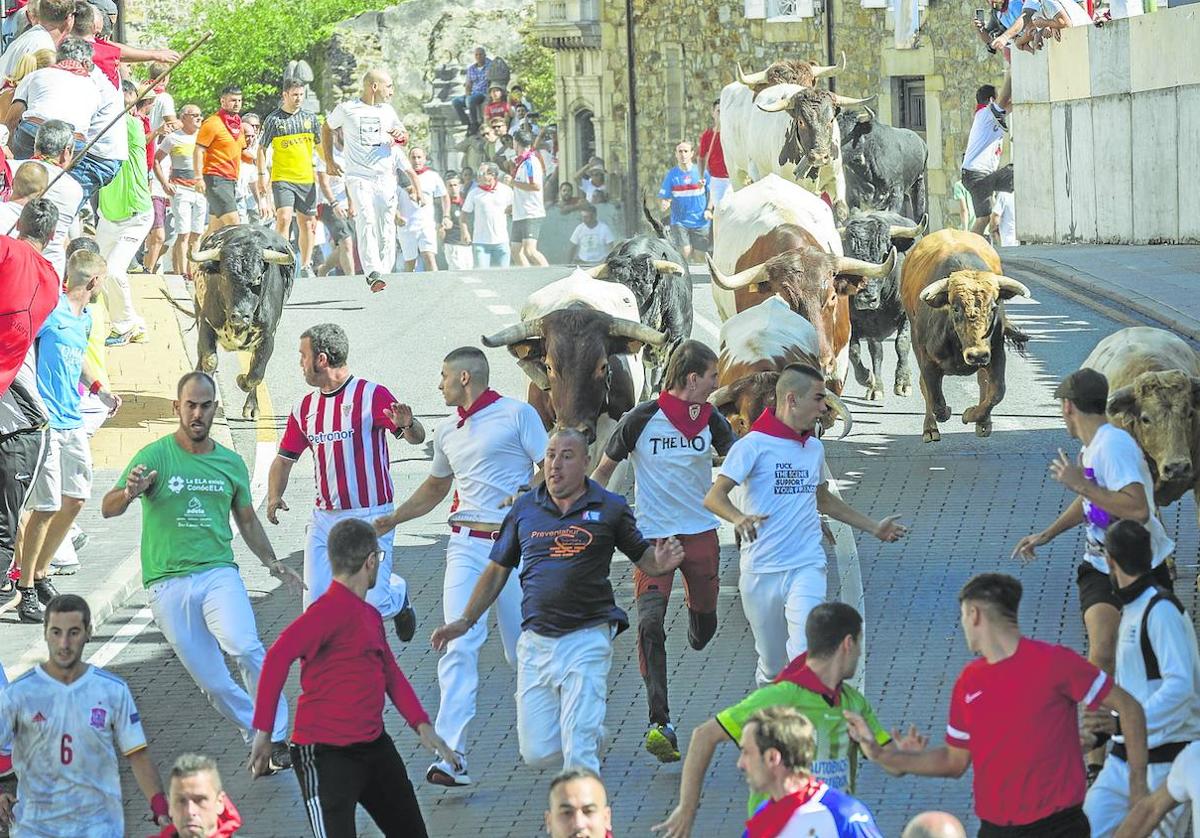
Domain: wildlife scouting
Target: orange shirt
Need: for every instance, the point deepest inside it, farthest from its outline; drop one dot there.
(223, 155)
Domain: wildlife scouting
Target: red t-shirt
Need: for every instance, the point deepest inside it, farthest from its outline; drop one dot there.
(107, 56)
(501, 108)
(1019, 720)
(28, 293)
(716, 159)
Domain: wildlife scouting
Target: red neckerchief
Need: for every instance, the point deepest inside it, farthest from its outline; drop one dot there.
(233, 122)
(421, 170)
(689, 418)
(523, 157)
(979, 107)
(491, 188)
(72, 66)
(798, 672)
(770, 424)
(228, 823)
(485, 398)
(772, 819)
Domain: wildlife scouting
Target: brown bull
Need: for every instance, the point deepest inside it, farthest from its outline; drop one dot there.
(953, 292)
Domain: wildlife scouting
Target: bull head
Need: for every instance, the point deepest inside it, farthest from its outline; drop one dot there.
(903, 237)
(1159, 410)
(810, 141)
(971, 299)
(663, 266)
(271, 257)
(752, 278)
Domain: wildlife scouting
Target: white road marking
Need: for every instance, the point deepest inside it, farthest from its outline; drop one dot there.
(498, 309)
(485, 293)
(471, 280)
(126, 633)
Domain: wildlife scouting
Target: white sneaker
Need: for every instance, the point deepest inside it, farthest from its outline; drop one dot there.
(64, 567)
(442, 773)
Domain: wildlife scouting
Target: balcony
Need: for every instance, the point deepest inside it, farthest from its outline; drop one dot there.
(568, 24)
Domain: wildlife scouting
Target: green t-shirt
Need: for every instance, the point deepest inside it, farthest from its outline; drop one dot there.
(129, 192)
(836, 759)
(185, 512)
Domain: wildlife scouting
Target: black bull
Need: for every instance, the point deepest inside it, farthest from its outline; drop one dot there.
(884, 166)
(243, 275)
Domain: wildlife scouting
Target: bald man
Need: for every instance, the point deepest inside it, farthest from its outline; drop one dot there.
(934, 825)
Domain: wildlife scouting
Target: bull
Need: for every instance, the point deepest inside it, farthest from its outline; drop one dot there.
(242, 277)
(1153, 393)
(953, 292)
(875, 311)
(789, 71)
(773, 237)
(579, 342)
(884, 166)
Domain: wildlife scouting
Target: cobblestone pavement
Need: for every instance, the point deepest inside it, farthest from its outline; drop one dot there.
(968, 501)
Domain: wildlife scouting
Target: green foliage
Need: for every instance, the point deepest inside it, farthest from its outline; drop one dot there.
(252, 42)
(533, 66)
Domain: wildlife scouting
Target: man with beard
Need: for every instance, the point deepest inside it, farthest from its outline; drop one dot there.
(220, 149)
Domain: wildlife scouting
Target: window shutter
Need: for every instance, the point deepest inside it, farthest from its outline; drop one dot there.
(874, 4)
(755, 9)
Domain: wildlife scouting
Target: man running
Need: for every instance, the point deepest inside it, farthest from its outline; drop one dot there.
(190, 487)
(345, 422)
(578, 806)
(199, 807)
(529, 208)
(781, 466)
(182, 185)
(291, 134)
(218, 158)
(490, 451)
(67, 720)
(341, 753)
(419, 235)
(670, 441)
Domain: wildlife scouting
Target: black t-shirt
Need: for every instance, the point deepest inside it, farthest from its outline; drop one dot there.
(454, 234)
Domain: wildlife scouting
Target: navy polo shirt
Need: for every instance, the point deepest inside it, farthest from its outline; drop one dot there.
(565, 558)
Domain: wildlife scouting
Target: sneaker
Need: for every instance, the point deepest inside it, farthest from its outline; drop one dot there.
(662, 743)
(118, 338)
(281, 757)
(405, 622)
(306, 272)
(45, 590)
(139, 336)
(442, 773)
(30, 610)
(375, 282)
(60, 567)
(79, 539)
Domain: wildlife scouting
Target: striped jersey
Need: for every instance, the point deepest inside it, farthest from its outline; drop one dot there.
(347, 432)
(65, 740)
(685, 191)
(292, 137)
(814, 812)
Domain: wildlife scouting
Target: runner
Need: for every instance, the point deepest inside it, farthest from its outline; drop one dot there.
(456, 246)
(189, 486)
(67, 720)
(341, 753)
(490, 451)
(529, 209)
(578, 806)
(199, 807)
(345, 423)
(182, 186)
(218, 157)
(670, 441)
(419, 235)
(334, 211)
(291, 134)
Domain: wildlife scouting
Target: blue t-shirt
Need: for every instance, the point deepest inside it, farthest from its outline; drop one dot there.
(61, 344)
(565, 558)
(685, 190)
(1010, 14)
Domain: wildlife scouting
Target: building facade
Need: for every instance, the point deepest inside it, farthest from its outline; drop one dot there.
(923, 72)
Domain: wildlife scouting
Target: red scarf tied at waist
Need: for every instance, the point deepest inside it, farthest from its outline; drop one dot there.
(233, 122)
(73, 66)
(689, 418)
(485, 398)
(772, 819)
(771, 425)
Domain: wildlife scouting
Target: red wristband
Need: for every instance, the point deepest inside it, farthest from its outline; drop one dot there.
(96, 387)
(158, 805)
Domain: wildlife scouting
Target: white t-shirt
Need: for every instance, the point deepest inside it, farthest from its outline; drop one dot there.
(367, 143)
(1112, 461)
(1004, 207)
(416, 215)
(1183, 783)
(1125, 8)
(490, 456)
(161, 110)
(528, 204)
(53, 93)
(490, 225)
(30, 41)
(779, 478)
(114, 145)
(10, 211)
(65, 743)
(593, 242)
(66, 195)
(985, 141)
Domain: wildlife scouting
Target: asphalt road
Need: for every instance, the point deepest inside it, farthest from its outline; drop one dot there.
(968, 500)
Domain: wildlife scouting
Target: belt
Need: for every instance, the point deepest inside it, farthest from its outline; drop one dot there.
(484, 534)
(37, 120)
(1158, 756)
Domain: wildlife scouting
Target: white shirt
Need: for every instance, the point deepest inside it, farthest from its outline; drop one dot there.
(413, 214)
(1113, 460)
(114, 144)
(491, 225)
(366, 138)
(527, 204)
(65, 743)
(66, 195)
(1183, 783)
(53, 93)
(1004, 207)
(779, 478)
(163, 107)
(489, 457)
(593, 243)
(10, 211)
(984, 142)
(1125, 8)
(30, 41)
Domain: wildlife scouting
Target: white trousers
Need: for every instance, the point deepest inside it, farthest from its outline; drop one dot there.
(390, 590)
(717, 187)
(562, 697)
(777, 605)
(459, 257)
(1107, 801)
(119, 242)
(374, 221)
(458, 669)
(202, 615)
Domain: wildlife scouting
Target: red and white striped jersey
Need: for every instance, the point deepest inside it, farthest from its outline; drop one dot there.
(347, 432)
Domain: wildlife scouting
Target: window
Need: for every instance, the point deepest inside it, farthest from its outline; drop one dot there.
(789, 9)
(675, 93)
(585, 135)
(908, 96)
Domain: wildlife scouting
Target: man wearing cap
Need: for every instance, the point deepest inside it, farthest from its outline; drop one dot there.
(1111, 482)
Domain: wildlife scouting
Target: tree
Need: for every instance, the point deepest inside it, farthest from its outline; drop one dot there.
(533, 66)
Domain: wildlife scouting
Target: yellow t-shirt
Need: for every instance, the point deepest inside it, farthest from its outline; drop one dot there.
(292, 137)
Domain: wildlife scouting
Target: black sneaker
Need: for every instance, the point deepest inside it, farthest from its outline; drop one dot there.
(375, 282)
(405, 622)
(45, 590)
(30, 610)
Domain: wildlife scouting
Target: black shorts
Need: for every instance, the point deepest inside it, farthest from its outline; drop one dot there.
(221, 194)
(302, 197)
(1068, 823)
(696, 238)
(981, 187)
(526, 228)
(338, 228)
(21, 458)
(1096, 589)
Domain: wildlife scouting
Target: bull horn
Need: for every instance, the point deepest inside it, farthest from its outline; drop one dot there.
(622, 328)
(781, 104)
(752, 79)
(598, 271)
(840, 408)
(933, 289)
(910, 232)
(846, 101)
(514, 334)
(721, 395)
(277, 257)
(857, 267)
(210, 255)
(536, 373)
(742, 279)
(665, 266)
(819, 70)
(1017, 288)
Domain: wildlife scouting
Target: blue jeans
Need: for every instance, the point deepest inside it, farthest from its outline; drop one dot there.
(491, 255)
(93, 173)
(22, 141)
(470, 109)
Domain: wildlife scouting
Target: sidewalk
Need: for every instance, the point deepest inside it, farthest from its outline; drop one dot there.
(1158, 282)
